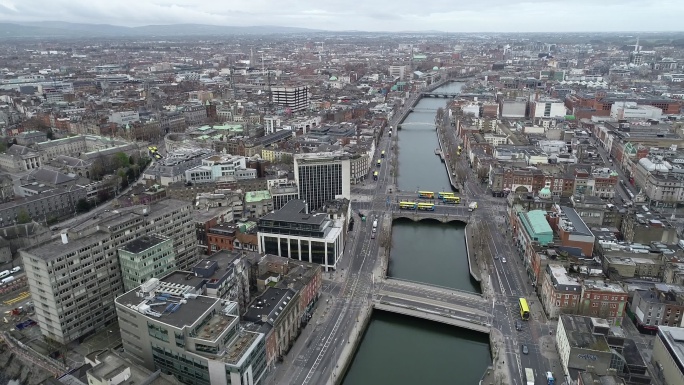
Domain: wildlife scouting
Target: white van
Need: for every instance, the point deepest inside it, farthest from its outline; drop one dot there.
(4, 274)
(15, 269)
(7, 280)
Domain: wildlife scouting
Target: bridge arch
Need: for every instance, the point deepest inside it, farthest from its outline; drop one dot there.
(435, 218)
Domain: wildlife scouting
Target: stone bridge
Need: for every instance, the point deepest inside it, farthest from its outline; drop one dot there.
(443, 216)
(449, 95)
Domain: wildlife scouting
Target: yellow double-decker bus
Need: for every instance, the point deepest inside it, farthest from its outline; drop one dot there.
(382, 154)
(454, 200)
(407, 205)
(379, 163)
(375, 175)
(426, 206)
(524, 309)
(426, 194)
(443, 194)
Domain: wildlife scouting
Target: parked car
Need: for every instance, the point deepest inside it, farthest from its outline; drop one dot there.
(518, 325)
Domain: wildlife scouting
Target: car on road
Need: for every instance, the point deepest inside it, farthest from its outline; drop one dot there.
(503, 259)
(518, 325)
(525, 350)
(373, 235)
(496, 256)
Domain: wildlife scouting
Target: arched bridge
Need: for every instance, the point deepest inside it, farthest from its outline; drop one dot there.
(442, 216)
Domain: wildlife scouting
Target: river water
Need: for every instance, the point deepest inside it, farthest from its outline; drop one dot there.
(401, 350)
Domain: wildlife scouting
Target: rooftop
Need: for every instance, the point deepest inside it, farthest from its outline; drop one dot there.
(600, 285)
(267, 307)
(143, 243)
(257, 196)
(674, 338)
(295, 211)
(580, 332)
(577, 225)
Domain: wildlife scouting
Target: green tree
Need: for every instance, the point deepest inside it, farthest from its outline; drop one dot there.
(131, 160)
(120, 160)
(23, 217)
(50, 134)
(286, 159)
(83, 206)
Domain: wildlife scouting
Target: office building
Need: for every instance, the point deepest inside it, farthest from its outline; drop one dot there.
(560, 293)
(168, 325)
(109, 368)
(294, 98)
(149, 256)
(258, 203)
(75, 278)
(220, 168)
(281, 193)
(292, 232)
(322, 177)
(668, 355)
(226, 276)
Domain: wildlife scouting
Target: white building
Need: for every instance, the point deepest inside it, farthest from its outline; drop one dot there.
(220, 168)
(631, 110)
(292, 232)
(294, 98)
(398, 72)
(123, 118)
(550, 108)
(322, 177)
(668, 355)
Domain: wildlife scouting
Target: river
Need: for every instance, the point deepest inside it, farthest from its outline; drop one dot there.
(400, 350)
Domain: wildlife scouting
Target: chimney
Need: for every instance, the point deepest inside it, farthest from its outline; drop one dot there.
(65, 237)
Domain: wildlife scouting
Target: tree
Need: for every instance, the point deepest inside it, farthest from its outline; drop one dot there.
(23, 217)
(120, 160)
(50, 134)
(83, 206)
(286, 159)
(131, 160)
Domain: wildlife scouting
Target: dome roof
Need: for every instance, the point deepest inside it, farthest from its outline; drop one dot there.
(545, 193)
(333, 78)
(435, 68)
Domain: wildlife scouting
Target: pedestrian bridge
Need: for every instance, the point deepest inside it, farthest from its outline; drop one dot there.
(434, 303)
(441, 215)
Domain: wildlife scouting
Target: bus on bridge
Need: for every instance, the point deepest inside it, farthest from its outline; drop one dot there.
(524, 309)
(407, 205)
(375, 175)
(426, 206)
(453, 200)
(443, 194)
(426, 194)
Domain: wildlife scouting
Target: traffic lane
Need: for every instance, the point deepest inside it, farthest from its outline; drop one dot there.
(450, 298)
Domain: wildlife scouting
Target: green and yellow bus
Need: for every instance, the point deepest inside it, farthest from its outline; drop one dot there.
(454, 200)
(375, 175)
(426, 194)
(407, 205)
(524, 309)
(426, 206)
(443, 194)
(382, 154)
(379, 163)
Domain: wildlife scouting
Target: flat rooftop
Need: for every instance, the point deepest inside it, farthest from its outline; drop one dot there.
(674, 338)
(235, 352)
(143, 243)
(185, 315)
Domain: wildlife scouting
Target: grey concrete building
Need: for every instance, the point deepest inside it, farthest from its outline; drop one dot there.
(169, 325)
(668, 355)
(48, 205)
(75, 278)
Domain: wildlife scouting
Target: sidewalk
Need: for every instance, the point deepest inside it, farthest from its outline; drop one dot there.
(498, 373)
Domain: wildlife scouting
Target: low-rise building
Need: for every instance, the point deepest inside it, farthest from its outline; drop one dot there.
(226, 276)
(571, 229)
(220, 168)
(603, 299)
(169, 325)
(581, 343)
(560, 293)
(109, 368)
(662, 305)
(258, 203)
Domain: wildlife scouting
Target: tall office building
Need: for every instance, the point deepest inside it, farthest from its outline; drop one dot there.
(322, 177)
(74, 279)
(150, 256)
(295, 98)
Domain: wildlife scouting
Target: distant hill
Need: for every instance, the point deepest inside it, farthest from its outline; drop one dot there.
(71, 30)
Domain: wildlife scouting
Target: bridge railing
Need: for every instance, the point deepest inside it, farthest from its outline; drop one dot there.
(408, 282)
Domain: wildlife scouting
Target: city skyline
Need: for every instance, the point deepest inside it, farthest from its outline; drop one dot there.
(377, 16)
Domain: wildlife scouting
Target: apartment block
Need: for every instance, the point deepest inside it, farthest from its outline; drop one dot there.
(75, 278)
(149, 256)
(168, 325)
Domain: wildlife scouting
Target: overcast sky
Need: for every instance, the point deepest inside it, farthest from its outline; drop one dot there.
(366, 15)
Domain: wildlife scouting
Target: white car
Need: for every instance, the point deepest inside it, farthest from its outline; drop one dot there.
(503, 259)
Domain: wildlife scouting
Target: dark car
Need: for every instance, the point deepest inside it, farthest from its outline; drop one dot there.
(518, 325)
